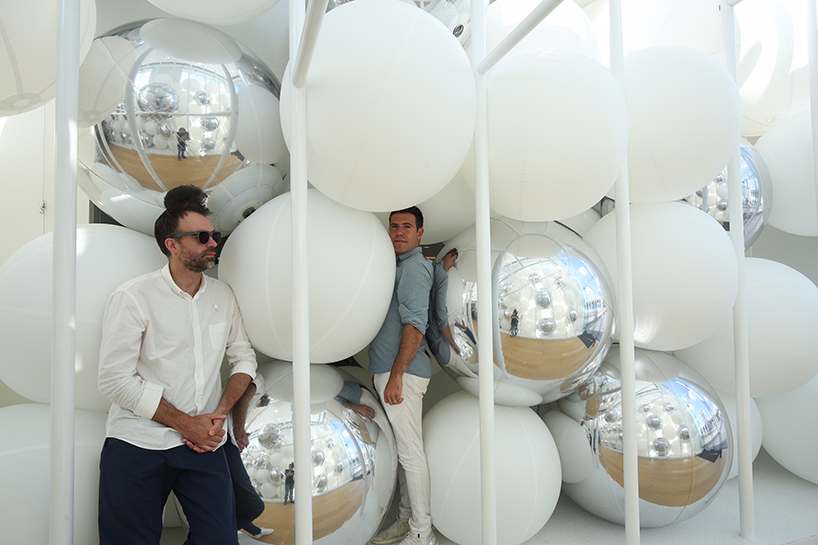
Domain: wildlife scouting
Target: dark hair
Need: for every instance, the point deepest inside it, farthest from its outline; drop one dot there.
(453, 252)
(414, 210)
(179, 201)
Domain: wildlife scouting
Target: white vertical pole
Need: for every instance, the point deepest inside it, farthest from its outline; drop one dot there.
(63, 358)
(301, 318)
(485, 323)
(740, 342)
(624, 320)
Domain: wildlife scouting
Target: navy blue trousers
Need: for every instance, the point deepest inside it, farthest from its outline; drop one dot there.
(134, 484)
(249, 506)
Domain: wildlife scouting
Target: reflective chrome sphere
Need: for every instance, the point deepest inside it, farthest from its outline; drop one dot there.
(684, 440)
(178, 122)
(553, 311)
(756, 189)
(354, 463)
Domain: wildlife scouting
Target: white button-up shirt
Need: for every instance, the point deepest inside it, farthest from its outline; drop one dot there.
(159, 342)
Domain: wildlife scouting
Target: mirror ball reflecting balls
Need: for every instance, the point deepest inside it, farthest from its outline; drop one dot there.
(756, 195)
(177, 120)
(555, 283)
(352, 473)
(684, 440)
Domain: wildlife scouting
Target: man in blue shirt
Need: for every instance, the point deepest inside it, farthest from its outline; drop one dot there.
(439, 335)
(402, 368)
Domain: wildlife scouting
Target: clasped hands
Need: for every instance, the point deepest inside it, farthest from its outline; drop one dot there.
(204, 432)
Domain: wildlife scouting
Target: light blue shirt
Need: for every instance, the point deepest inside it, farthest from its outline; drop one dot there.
(439, 316)
(409, 306)
(350, 393)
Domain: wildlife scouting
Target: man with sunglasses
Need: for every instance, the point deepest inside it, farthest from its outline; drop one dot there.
(164, 337)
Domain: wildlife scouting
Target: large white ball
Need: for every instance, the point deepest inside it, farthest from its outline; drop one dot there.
(107, 256)
(566, 27)
(25, 458)
(28, 45)
(351, 277)
(390, 113)
(684, 273)
(242, 193)
(770, 90)
(791, 429)
(258, 134)
(728, 400)
(215, 12)
(788, 154)
(572, 443)
(526, 463)
(685, 118)
(103, 76)
(558, 134)
(782, 313)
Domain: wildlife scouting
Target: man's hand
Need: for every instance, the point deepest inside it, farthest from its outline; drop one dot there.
(204, 431)
(360, 408)
(393, 393)
(242, 439)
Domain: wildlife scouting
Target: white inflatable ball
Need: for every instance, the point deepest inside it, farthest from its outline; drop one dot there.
(258, 134)
(325, 381)
(782, 310)
(566, 27)
(685, 118)
(215, 12)
(28, 45)
(103, 76)
(788, 154)
(242, 193)
(352, 274)
(558, 134)
(728, 401)
(791, 429)
(107, 256)
(572, 443)
(582, 222)
(526, 463)
(445, 214)
(769, 92)
(408, 106)
(25, 458)
(684, 273)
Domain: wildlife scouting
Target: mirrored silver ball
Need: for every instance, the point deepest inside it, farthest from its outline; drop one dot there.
(210, 123)
(684, 454)
(553, 324)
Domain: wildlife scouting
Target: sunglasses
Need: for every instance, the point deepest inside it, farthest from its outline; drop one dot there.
(202, 236)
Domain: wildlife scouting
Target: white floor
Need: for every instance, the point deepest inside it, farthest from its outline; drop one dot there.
(785, 512)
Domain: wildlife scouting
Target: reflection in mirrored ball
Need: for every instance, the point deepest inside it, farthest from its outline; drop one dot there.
(553, 315)
(684, 440)
(352, 473)
(176, 123)
(756, 195)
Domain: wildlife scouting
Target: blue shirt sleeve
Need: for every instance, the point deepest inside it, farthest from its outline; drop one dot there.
(441, 286)
(351, 393)
(413, 295)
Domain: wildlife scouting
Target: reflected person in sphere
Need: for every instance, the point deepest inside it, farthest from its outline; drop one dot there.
(439, 334)
(350, 397)
(402, 369)
(289, 484)
(182, 138)
(164, 337)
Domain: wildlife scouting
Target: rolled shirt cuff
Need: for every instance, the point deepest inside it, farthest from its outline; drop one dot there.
(149, 402)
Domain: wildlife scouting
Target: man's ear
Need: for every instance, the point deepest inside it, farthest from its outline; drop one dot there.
(171, 245)
(420, 233)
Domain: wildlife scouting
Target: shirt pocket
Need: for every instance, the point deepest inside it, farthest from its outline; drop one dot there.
(218, 335)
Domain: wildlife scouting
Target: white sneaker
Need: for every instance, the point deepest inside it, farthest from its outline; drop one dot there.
(393, 534)
(415, 539)
(262, 532)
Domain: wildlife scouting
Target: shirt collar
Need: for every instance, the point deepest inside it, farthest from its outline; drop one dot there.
(176, 289)
(409, 254)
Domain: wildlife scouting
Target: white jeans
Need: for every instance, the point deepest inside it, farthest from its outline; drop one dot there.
(406, 424)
